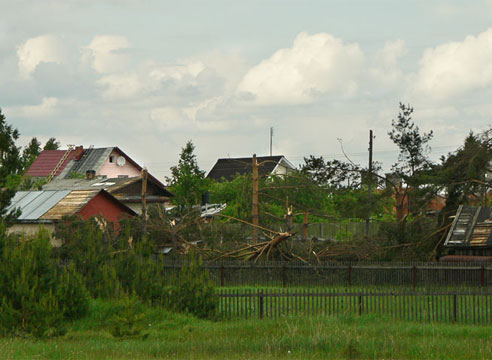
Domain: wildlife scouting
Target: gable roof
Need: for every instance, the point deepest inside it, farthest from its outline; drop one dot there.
(90, 159)
(49, 205)
(229, 168)
(472, 227)
(46, 162)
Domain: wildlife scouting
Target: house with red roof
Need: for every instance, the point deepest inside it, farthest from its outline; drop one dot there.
(98, 168)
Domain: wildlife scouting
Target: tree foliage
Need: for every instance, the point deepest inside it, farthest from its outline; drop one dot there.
(51, 144)
(187, 181)
(10, 164)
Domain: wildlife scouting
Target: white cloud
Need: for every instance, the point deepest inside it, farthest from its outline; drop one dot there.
(314, 65)
(456, 68)
(386, 71)
(106, 53)
(168, 118)
(48, 107)
(183, 72)
(120, 86)
(36, 50)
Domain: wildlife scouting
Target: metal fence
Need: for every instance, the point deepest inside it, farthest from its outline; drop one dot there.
(470, 305)
(290, 274)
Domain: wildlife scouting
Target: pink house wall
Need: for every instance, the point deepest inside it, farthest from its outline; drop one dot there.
(112, 170)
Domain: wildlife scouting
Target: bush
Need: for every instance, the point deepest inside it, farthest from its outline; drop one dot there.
(36, 297)
(194, 292)
(128, 321)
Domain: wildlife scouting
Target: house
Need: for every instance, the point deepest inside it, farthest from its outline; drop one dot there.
(229, 168)
(110, 162)
(471, 232)
(47, 207)
(127, 190)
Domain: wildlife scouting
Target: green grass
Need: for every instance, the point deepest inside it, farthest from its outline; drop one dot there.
(170, 335)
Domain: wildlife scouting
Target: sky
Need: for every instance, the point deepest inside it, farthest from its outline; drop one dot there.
(149, 75)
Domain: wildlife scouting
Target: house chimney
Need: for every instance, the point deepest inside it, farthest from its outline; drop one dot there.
(90, 174)
(79, 151)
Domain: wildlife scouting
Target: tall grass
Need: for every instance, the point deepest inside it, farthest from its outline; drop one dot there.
(298, 337)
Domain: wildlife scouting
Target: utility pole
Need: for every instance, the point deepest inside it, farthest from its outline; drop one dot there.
(271, 140)
(256, 212)
(369, 185)
(144, 200)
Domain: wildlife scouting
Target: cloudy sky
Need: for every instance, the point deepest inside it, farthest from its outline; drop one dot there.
(149, 75)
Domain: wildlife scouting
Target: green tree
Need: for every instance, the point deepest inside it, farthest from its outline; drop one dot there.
(413, 167)
(413, 145)
(30, 153)
(10, 164)
(188, 182)
(465, 175)
(52, 144)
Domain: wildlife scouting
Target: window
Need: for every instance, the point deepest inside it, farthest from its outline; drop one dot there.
(111, 159)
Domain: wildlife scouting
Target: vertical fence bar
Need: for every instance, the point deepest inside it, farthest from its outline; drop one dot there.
(260, 303)
(222, 275)
(284, 276)
(350, 275)
(414, 277)
(482, 276)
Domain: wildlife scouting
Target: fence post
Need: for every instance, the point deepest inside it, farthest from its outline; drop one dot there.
(414, 276)
(260, 302)
(454, 308)
(360, 304)
(482, 276)
(284, 276)
(222, 275)
(350, 275)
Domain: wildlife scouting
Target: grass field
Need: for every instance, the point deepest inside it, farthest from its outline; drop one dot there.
(169, 335)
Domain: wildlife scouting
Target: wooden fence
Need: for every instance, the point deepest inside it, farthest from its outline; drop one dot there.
(290, 274)
(472, 305)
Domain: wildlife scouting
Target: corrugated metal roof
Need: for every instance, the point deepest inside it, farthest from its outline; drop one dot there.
(92, 159)
(34, 204)
(47, 161)
(70, 204)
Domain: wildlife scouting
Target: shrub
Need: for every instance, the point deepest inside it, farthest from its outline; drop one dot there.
(36, 297)
(194, 292)
(128, 321)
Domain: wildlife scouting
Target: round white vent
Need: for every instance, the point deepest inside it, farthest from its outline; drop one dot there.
(121, 161)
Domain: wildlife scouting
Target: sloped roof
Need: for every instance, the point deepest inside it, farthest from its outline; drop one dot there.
(111, 185)
(229, 168)
(34, 204)
(92, 159)
(49, 205)
(70, 204)
(46, 162)
(472, 227)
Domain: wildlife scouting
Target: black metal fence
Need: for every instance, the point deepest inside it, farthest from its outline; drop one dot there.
(289, 274)
(472, 305)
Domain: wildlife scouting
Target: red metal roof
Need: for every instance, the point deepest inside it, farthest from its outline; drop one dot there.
(46, 162)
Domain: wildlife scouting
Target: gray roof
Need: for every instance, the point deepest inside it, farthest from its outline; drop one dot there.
(92, 159)
(34, 204)
(84, 184)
